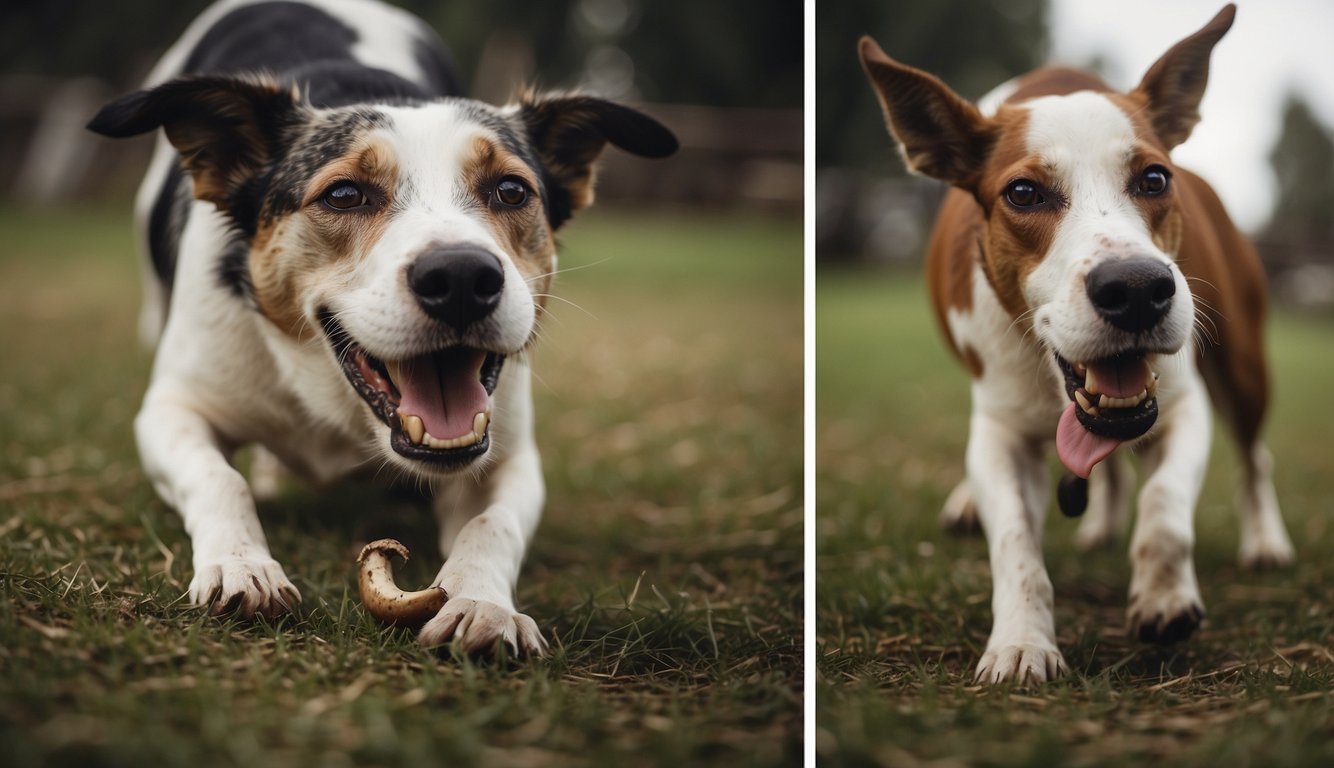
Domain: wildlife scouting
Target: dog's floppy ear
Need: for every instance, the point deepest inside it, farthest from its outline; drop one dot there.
(569, 132)
(941, 134)
(1173, 87)
(227, 129)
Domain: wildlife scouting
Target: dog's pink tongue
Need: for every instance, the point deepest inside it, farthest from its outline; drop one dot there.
(1079, 448)
(444, 390)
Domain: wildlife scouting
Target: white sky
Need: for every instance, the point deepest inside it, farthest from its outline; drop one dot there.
(1274, 46)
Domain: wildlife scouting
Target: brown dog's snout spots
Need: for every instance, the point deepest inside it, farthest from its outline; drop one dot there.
(1131, 294)
(457, 286)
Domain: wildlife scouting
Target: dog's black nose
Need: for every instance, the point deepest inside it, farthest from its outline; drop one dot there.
(458, 286)
(1131, 294)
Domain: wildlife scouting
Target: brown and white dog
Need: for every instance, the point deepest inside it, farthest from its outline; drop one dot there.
(347, 265)
(1097, 295)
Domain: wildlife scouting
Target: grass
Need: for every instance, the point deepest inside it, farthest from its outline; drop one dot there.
(667, 572)
(903, 610)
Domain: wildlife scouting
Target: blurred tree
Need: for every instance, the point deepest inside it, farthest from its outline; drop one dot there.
(973, 45)
(1303, 160)
(77, 37)
(736, 53)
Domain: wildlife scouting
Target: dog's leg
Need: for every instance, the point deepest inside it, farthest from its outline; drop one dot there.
(485, 528)
(1010, 477)
(1165, 604)
(1264, 540)
(268, 474)
(185, 460)
(1109, 503)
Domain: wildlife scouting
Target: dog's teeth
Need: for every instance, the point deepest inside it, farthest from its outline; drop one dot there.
(1083, 400)
(479, 431)
(413, 426)
(394, 369)
(1080, 369)
(1091, 382)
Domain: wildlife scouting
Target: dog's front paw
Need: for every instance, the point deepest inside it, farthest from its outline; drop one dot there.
(959, 513)
(244, 587)
(1164, 616)
(1269, 550)
(1023, 663)
(479, 627)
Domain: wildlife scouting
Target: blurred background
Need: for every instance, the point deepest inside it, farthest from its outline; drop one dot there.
(726, 76)
(1265, 141)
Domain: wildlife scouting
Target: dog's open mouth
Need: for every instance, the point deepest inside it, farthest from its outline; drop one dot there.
(437, 405)
(1112, 400)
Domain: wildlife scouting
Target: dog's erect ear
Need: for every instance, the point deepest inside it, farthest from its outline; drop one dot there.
(941, 134)
(226, 129)
(1172, 88)
(569, 132)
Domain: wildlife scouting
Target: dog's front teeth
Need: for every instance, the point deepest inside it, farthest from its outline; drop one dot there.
(1106, 401)
(415, 429)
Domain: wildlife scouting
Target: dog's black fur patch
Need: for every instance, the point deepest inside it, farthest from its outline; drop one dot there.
(165, 222)
(300, 46)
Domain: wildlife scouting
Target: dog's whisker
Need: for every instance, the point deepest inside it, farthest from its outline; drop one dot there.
(566, 301)
(564, 270)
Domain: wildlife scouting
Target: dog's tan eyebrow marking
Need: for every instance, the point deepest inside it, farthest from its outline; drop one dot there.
(368, 161)
(523, 232)
(490, 160)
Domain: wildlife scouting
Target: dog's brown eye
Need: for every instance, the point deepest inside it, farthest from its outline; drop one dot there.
(511, 192)
(345, 196)
(1024, 194)
(1153, 182)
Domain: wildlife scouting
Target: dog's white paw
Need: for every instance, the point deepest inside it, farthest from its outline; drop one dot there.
(268, 475)
(1267, 555)
(244, 587)
(479, 627)
(1095, 532)
(1165, 615)
(959, 513)
(1023, 663)
(1267, 547)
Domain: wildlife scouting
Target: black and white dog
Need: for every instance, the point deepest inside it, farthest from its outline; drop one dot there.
(348, 261)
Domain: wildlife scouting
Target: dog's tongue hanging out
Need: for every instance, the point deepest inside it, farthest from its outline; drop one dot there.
(444, 390)
(1078, 446)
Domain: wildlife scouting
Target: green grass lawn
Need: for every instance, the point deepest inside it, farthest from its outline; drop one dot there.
(903, 610)
(667, 572)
